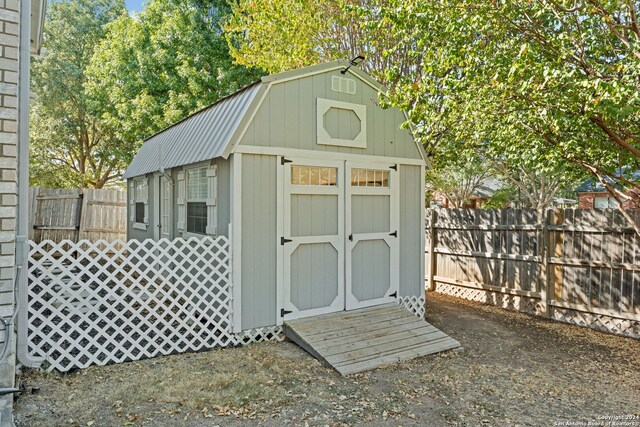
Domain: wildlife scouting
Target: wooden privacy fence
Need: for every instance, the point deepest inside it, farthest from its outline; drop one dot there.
(77, 214)
(580, 266)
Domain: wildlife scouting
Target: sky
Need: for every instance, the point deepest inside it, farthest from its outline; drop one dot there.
(134, 5)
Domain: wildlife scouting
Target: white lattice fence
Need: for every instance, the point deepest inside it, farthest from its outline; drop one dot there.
(506, 301)
(414, 304)
(101, 302)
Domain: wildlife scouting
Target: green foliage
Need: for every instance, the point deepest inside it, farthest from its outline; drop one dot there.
(501, 199)
(537, 83)
(457, 179)
(279, 35)
(163, 64)
(71, 146)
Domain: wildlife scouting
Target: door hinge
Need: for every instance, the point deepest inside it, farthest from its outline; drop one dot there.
(283, 161)
(394, 167)
(283, 240)
(394, 295)
(351, 237)
(284, 312)
(394, 234)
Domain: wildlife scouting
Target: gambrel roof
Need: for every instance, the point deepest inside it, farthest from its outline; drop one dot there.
(216, 130)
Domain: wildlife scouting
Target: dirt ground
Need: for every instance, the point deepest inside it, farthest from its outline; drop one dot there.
(516, 370)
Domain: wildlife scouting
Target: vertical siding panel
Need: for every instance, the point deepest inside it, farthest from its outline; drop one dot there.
(223, 204)
(250, 135)
(277, 122)
(291, 108)
(306, 102)
(410, 231)
(258, 241)
(319, 91)
(261, 124)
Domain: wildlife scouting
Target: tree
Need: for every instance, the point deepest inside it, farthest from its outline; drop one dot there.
(279, 35)
(71, 146)
(537, 187)
(170, 60)
(555, 81)
(457, 178)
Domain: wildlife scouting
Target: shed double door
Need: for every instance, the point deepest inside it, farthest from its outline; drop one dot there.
(340, 242)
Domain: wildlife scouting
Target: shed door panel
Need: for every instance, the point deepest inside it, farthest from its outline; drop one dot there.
(314, 242)
(372, 246)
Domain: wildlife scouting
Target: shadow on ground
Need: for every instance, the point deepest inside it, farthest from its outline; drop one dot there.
(516, 370)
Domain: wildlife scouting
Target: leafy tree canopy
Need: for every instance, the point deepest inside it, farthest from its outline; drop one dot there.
(155, 68)
(71, 145)
(539, 82)
(279, 35)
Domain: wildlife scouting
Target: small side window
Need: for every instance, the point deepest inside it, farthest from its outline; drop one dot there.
(139, 212)
(140, 204)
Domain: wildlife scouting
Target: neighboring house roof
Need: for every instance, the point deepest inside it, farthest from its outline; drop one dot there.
(593, 186)
(488, 187)
(564, 200)
(215, 130)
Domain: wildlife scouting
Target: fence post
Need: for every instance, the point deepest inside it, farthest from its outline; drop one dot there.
(545, 273)
(557, 251)
(431, 286)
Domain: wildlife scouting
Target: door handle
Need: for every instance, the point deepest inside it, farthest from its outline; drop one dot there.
(351, 237)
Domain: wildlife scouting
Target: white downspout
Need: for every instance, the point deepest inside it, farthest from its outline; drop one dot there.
(22, 220)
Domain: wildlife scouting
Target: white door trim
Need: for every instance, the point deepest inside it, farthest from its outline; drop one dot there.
(351, 302)
(293, 242)
(330, 155)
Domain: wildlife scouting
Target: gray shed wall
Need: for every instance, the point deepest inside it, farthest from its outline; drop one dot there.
(259, 241)
(223, 203)
(411, 231)
(287, 118)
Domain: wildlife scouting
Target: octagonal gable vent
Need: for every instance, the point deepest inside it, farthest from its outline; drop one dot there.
(341, 123)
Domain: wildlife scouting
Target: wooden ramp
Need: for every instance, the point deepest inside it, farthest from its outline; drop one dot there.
(360, 340)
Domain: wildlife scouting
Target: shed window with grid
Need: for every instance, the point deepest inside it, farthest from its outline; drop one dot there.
(139, 203)
(197, 191)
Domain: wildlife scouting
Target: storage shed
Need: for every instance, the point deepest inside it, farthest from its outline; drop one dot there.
(320, 190)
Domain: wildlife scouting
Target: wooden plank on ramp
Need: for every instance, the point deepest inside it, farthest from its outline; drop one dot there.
(360, 340)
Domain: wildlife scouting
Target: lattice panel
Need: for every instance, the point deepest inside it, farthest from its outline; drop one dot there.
(600, 322)
(100, 302)
(270, 333)
(506, 301)
(414, 304)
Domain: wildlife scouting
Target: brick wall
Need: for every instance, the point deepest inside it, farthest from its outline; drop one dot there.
(585, 200)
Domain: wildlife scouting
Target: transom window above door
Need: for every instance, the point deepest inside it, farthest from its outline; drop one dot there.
(314, 175)
(369, 178)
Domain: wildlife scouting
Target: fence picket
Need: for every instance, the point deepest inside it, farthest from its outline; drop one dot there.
(580, 266)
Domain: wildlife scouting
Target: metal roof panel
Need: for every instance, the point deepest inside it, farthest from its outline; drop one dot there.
(201, 136)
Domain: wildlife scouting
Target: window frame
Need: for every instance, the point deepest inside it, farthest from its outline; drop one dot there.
(211, 199)
(323, 138)
(140, 198)
(610, 201)
(187, 199)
